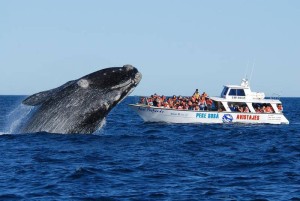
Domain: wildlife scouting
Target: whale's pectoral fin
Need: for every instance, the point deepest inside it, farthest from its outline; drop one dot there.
(38, 98)
(41, 97)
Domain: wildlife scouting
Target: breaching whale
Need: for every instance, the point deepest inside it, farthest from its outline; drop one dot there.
(80, 106)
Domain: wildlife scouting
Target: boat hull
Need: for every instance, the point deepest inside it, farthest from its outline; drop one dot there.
(155, 114)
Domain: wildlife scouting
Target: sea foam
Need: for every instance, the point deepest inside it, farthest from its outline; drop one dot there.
(16, 118)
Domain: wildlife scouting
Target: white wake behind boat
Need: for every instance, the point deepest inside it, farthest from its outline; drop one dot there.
(224, 109)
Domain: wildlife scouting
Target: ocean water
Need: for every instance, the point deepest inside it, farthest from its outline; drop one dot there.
(131, 160)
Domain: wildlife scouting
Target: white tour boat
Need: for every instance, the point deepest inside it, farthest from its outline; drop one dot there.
(224, 109)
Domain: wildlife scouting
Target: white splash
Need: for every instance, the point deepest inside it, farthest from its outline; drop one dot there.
(99, 130)
(17, 118)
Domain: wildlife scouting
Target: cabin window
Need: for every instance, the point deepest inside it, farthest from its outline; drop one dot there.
(224, 92)
(240, 92)
(218, 106)
(238, 106)
(237, 92)
(263, 108)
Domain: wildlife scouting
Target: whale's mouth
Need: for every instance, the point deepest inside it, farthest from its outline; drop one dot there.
(137, 78)
(133, 82)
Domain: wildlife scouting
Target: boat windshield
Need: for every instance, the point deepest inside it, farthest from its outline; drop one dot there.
(237, 92)
(224, 92)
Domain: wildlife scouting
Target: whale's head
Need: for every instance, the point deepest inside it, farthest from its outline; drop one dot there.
(116, 81)
(79, 106)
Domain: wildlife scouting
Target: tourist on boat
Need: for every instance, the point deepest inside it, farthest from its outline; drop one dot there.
(240, 109)
(232, 108)
(149, 101)
(174, 98)
(184, 105)
(258, 110)
(246, 109)
(179, 107)
(280, 108)
(166, 105)
(269, 109)
(142, 100)
(190, 105)
(196, 94)
(154, 102)
(175, 106)
(193, 99)
(196, 108)
(263, 109)
(170, 102)
(209, 103)
(204, 95)
(202, 103)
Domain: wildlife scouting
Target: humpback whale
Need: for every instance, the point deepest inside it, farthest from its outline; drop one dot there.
(80, 106)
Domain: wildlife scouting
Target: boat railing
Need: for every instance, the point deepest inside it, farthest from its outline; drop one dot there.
(275, 96)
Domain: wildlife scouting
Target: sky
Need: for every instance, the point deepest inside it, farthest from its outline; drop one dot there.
(177, 45)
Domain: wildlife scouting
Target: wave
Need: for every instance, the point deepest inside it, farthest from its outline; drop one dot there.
(17, 118)
(99, 130)
(82, 172)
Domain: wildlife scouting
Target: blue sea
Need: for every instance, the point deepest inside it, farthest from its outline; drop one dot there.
(131, 160)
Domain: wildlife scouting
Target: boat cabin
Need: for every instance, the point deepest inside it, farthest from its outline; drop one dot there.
(240, 98)
(241, 92)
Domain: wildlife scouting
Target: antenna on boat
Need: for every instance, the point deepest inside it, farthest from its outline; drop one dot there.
(245, 82)
(246, 70)
(252, 71)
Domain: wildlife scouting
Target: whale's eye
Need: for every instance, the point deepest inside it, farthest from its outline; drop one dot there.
(83, 83)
